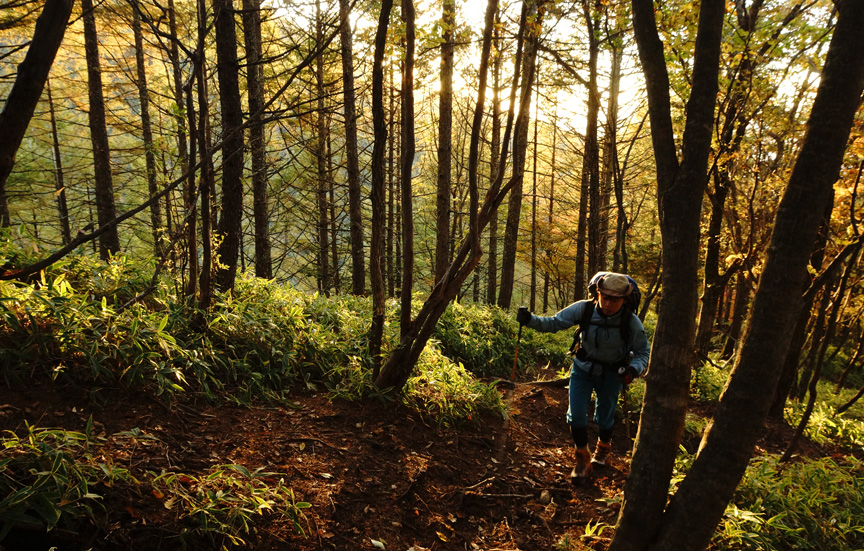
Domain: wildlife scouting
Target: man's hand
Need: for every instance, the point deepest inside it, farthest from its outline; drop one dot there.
(523, 315)
(626, 374)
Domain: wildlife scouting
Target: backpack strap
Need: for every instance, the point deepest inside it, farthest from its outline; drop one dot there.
(583, 323)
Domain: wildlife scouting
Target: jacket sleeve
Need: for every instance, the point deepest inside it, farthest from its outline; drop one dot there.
(564, 319)
(639, 345)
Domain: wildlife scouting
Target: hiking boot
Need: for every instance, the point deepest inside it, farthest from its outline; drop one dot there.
(583, 464)
(601, 453)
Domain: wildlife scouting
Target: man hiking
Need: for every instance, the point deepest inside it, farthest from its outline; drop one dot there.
(612, 350)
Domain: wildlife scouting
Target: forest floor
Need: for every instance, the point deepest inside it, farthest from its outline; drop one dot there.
(374, 473)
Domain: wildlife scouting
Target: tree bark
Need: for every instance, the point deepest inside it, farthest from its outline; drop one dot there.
(591, 158)
(520, 146)
(738, 422)
(355, 216)
(60, 186)
(255, 93)
(27, 89)
(494, 153)
(147, 130)
(377, 191)
(324, 282)
(109, 242)
(227, 69)
(401, 362)
(407, 165)
(445, 139)
(679, 189)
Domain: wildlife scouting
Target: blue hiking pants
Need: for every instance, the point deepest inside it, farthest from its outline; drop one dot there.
(606, 385)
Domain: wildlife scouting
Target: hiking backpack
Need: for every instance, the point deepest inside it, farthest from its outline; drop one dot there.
(631, 304)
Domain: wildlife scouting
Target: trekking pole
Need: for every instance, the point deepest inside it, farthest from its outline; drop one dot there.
(626, 415)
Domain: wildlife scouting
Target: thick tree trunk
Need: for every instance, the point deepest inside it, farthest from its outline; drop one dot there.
(27, 89)
(355, 216)
(255, 93)
(680, 190)
(738, 422)
(227, 69)
(109, 242)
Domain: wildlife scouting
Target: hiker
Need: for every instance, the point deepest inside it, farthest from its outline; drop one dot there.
(612, 351)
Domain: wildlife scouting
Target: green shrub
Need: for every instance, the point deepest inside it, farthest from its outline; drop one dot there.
(804, 505)
(221, 505)
(51, 477)
(445, 393)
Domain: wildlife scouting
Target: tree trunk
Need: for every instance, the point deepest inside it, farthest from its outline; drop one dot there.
(445, 138)
(227, 69)
(27, 89)
(494, 153)
(738, 422)
(109, 242)
(182, 152)
(377, 191)
(324, 283)
(520, 146)
(679, 190)
(355, 216)
(255, 93)
(401, 362)
(407, 164)
(146, 130)
(547, 252)
(532, 302)
(60, 186)
(591, 158)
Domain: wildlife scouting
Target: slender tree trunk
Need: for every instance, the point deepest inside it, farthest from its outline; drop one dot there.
(680, 189)
(743, 290)
(401, 362)
(147, 130)
(445, 138)
(547, 252)
(109, 242)
(612, 165)
(255, 93)
(377, 192)
(324, 283)
(227, 69)
(391, 236)
(591, 160)
(407, 164)
(60, 185)
(520, 145)
(206, 182)
(729, 442)
(182, 151)
(27, 89)
(494, 153)
(355, 216)
(532, 303)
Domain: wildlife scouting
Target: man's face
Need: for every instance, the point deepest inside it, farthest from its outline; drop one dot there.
(608, 304)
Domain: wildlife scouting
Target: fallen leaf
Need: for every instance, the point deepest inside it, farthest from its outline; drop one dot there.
(377, 544)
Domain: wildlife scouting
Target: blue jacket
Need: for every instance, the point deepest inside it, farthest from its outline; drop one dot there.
(601, 340)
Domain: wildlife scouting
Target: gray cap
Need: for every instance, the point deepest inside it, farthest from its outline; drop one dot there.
(615, 285)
